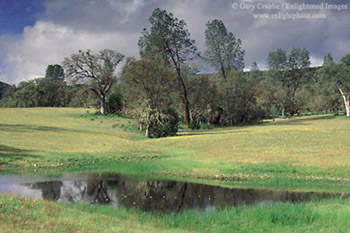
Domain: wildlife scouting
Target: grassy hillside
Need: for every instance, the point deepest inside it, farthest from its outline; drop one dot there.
(302, 153)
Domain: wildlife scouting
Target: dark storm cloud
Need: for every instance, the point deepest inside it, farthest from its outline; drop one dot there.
(259, 36)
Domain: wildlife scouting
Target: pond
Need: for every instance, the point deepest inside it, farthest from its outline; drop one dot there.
(147, 195)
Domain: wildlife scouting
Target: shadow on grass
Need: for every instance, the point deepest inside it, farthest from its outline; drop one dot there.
(12, 153)
(208, 132)
(22, 128)
(300, 121)
(232, 130)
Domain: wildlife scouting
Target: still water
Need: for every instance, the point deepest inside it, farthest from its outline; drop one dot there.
(147, 195)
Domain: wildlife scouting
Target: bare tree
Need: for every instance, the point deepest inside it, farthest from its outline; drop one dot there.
(97, 71)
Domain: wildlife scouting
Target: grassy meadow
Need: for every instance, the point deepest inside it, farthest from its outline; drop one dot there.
(27, 215)
(304, 153)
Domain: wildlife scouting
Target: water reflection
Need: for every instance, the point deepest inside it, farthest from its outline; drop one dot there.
(49, 190)
(147, 195)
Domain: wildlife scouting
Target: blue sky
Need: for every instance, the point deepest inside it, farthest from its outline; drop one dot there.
(37, 33)
(15, 15)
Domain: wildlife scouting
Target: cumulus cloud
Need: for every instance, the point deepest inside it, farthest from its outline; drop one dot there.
(65, 26)
(27, 56)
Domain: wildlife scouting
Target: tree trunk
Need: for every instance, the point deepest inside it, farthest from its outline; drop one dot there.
(102, 194)
(147, 131)
(292, 108)
(346, 98)
(187, 112)
(223, 72)
(347, 104)
(103, 105)
(185, 98)
(181, 197)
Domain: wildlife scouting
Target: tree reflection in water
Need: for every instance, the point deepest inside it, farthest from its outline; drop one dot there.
(160, 196)
(50, 190)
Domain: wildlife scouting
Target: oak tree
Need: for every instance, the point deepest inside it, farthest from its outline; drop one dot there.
(97, 71)
(148, 86)
(289, 72)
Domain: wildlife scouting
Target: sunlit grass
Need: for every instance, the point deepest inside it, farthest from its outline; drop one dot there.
(63, 130)
(299, 142)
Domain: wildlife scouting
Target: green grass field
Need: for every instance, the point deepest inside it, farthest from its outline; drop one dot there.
(306, 153)
(26, 215)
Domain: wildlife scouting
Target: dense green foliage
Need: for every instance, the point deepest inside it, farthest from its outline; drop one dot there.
(53, 91)
(289, 74)
(149, 88)
(3, 87)
(223, 50)
(38, 93)
(54, 72)
(337, 76)
(224, 101)
(169, 39)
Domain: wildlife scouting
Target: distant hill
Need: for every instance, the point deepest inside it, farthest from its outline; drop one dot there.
(3, 87)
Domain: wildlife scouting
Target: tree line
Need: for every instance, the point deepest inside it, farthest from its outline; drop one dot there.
(163, 87)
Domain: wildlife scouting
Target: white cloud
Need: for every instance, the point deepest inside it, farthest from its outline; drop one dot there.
(316, 61)
(47, 43)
